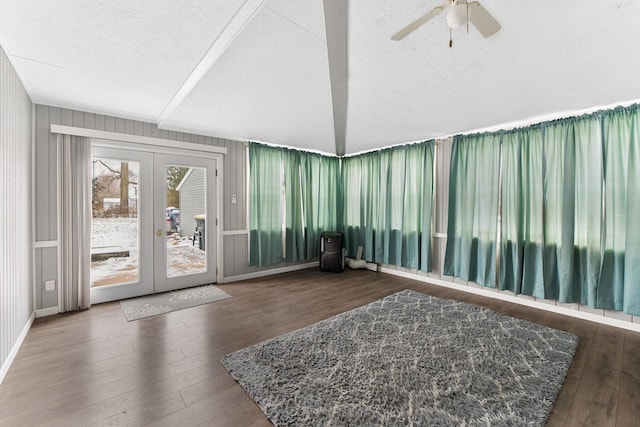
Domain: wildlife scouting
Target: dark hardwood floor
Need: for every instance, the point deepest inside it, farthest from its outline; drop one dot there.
(95, 368)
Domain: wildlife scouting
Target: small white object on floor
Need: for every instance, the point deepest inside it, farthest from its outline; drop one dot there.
(356, 263)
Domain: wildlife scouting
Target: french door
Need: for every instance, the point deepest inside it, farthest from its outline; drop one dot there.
(149, 225)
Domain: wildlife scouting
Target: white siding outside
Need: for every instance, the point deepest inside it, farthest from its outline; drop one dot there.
(192, 200)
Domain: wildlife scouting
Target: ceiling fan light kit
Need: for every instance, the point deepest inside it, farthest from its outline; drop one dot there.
(457, 16)
(459, 12)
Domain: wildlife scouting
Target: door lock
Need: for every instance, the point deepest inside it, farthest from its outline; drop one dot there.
(159, 233)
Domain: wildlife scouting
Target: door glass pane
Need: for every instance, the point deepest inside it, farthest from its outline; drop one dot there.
(185, 220)
(115, 224)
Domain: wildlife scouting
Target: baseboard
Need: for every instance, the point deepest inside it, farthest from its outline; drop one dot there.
(514, 299)
(263, 273)
(14, 351)
(47, 311)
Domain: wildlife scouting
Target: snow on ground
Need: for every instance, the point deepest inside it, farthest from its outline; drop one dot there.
(183, 257)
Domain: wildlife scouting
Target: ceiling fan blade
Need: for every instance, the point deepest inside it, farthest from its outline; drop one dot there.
(482, 20)
(419, 22)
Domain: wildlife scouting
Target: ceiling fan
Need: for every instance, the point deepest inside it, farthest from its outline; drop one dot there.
(461, 12)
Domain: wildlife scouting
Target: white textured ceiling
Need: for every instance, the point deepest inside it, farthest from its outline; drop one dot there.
(266, 68)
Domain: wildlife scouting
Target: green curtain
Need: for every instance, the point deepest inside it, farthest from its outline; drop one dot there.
(295, 190)
(265, 205)
(572, 210)
(619, 284)
(522, 226)
(473, 208)
(321, 195)
(588, 218)
(294, 231)
(387, 205)
(361, 200)
(551, 210)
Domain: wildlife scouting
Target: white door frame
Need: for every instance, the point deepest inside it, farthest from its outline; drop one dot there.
(144, 285)
(190, 152)
(162, 281)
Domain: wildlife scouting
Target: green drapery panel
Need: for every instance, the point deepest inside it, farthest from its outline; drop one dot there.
(473, 209)
(265, 205)
(619, 286)
(522, 213)
(387, 205)
(573, 226)
(294, 231)
(569, 210)
(321, 195)
(294, 196)
(551, 210)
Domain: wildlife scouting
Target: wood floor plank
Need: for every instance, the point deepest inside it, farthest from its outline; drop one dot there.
(628, 411)
(595, 402)
(144, 414)
(94, 367)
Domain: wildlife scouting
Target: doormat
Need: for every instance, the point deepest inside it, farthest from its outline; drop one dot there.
(409, 359)
(152, 305)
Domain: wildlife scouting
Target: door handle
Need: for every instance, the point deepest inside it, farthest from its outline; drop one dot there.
(159, 233)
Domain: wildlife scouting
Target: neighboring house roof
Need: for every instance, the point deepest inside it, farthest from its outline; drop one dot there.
(184, 179)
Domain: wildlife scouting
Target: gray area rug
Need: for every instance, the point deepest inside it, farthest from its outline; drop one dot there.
(408, 359)
(152, 305)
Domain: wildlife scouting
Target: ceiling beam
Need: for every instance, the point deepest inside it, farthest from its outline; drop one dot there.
(335, 22)
(236, 25)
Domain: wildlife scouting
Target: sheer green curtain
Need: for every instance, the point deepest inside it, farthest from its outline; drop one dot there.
(619, 285)
(321, 195)
(588, 217)
(572, 211)
(294, 231)
(551, 210)
(521, 211)
(354, 225)
(473, 208)
(293, 190)
(387, 205)
(265, 205)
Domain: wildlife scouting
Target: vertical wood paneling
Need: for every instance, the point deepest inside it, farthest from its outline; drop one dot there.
(55, 116)
(120, 125)
(100, 122)
(139, 128)
(240, 253)
(16, 258)
(110, 124)
(227, 261)
(49, 271)
(37, 260)
(42, 188)
(129, 127)
(66, 117)
(237, 181)
(78, 118)
(229, 220)
(90, 120)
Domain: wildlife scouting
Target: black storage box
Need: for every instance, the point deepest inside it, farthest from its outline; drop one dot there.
(332, 252)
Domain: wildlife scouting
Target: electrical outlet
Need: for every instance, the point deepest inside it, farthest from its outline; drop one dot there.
(49, 285)
(234, 199)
